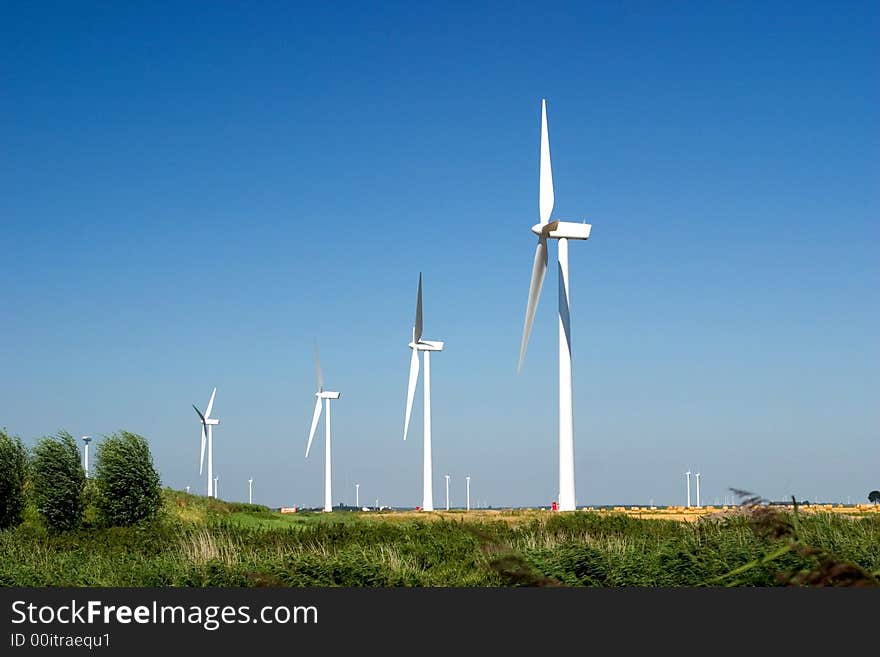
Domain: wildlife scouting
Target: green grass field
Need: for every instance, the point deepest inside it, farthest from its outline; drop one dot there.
(203, 542)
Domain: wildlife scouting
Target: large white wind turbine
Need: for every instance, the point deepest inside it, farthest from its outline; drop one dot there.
(561, 231)
(208, 424)
(323, 396)
(426, 347)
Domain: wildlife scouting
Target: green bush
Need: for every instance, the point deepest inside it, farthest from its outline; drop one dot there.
(13, 472)
(128, 486)
(58, 481)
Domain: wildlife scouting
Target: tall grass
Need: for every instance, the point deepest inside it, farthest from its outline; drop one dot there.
(199, 542)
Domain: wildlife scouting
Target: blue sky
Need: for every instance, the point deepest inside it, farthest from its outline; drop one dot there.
(191, 193)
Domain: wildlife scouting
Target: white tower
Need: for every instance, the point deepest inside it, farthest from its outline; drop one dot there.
(323, 397)
(426, 347)
(86, 440)
(208, 424)
(561, 231)
(688, 475)
(468, 479)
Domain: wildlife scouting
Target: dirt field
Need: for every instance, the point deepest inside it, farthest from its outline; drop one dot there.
(679, 513)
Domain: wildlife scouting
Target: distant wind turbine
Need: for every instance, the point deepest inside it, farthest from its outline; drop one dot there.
(688, 475)
(447, 492)
(250, 491)
(216, 481)
(425, 346)
(208, 424)
(323, 396)
(561, 231)
(697, 476)
(86, 440)
(357, 496)
(468, 479)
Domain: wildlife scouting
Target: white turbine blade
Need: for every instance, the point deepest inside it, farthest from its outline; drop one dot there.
(545, 198)
(315, 418)
(202, 457)
(411, 388)
(318, 368)
(539, 270)
(210, 404)
(417, 327)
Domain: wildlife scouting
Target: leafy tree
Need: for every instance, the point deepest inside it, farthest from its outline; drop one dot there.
(874, 496)
(13, 472)
(128, 486)
(58, 481)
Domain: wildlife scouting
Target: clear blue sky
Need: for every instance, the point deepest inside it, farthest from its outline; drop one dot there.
(191, 192)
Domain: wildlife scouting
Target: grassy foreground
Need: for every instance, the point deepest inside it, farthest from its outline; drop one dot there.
(203, 542)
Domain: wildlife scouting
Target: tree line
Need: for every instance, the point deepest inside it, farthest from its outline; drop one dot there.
(125, 488)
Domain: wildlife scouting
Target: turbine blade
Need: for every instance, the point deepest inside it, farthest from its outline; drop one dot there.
(539, 270)
(201, 417)
(318, 368)
(202, 457)
(417, 327)
(411, 388)
(315, 418)
(210, 404)
(545, 197)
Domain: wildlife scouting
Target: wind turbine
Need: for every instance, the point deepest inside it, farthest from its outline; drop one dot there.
(688, 475)
(326, 396)
(216, 481)
(561, 231)
(697, 475)
(208, 424)
(250, 491)
(425, 346)
(357, 496)
(447, 492)
(86, 440)
(468, 493)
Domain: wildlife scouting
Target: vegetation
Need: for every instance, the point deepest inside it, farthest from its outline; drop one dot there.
(128, 489)
(122, 529)
(874, 496)
(58, 481)
(205, 542)
(13, 472)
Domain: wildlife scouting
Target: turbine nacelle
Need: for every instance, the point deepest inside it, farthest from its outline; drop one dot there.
(427, 345)
(563, 229)
(327, 394)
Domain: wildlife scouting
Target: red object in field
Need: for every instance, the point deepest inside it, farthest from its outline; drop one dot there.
(418, 508)
(554, 507)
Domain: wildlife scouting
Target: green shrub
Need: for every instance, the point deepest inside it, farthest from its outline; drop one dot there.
(13, 472)
(128, 486)
(58, 481)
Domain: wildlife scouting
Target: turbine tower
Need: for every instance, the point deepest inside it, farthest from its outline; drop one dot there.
(208, 424)
(561, 231)
(447, 492)
(216, 481)
(357, 496)
(426, 347)
(323, 396)
(468, 479)
(86, 440)
(697, 476)
(250, 491)
(688, 475)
